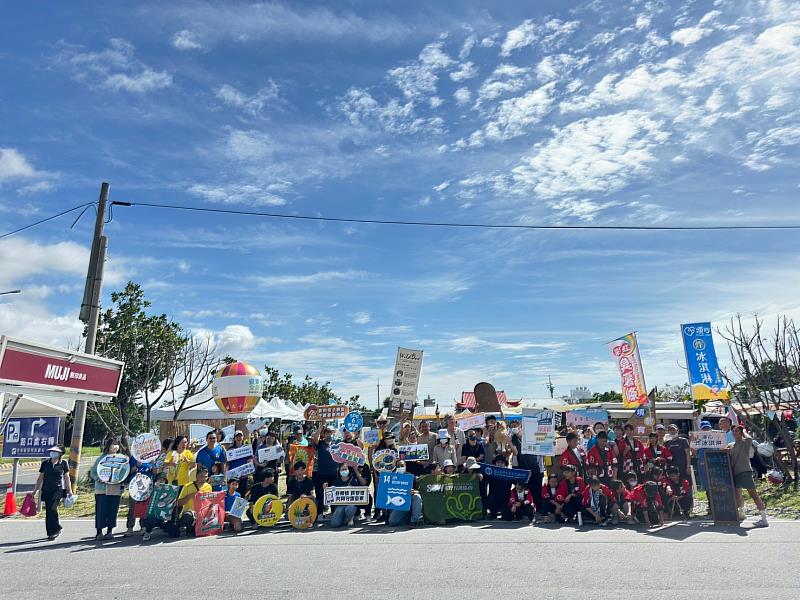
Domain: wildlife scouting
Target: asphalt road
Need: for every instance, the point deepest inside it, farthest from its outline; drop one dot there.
(498, 561)
(28, 475)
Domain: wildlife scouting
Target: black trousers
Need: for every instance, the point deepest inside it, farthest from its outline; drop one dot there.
(572, 508)
(679, 506)
(526, 510)
(51, 499)
(604, 509)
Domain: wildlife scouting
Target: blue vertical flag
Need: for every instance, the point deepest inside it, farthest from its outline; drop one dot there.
(705, 378)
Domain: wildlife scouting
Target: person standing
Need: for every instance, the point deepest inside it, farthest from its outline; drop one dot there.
(212, 453)
(743, 474)
(326, 467)
(180, 462)
(573, 455)
(601, 459)
(444, 450)
(473, 448)
(106, 495)
(679, 448)
(426, 436)
(238, 442)
(53, 484)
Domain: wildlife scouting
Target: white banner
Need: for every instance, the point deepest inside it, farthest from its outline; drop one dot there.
(237, 385)
(272, 453)
(238, 472)
(346, 495)
(471, 421)
(538, 432)
(240, 452)
(405, 381)
(709, 440)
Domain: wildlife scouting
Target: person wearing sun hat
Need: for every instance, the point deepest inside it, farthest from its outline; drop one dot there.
(679, 447)
(444, 450)
(55, 485)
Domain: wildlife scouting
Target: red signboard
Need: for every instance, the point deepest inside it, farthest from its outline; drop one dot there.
(31, 365)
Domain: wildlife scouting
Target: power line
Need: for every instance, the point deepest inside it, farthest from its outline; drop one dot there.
(252, 213)
(45, 220)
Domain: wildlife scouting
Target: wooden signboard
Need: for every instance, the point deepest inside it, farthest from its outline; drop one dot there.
(721, 493)
(326, 412)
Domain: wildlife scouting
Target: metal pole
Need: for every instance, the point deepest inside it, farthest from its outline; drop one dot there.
(14, 475)
(95, 273)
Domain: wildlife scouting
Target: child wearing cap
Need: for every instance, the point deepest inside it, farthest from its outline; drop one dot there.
(680, 502)
(230, 498)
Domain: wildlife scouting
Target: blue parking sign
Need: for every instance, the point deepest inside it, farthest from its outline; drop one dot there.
(30, 437)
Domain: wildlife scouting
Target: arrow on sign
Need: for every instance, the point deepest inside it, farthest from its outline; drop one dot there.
(37, 423)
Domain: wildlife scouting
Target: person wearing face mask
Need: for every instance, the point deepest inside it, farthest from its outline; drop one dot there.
(413, 517)
(344, 514)
(527, 461)
(326, 467)
(54, 483)
(455, 433)
(473, 448)
(387, 443)
(106, 495)
(444, 450)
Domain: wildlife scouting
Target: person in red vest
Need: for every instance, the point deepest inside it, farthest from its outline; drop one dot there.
(598, 502)
(680, 504)
(647, 504)
(601, 461)
(656, 454)
(570, 494)
(550, 508)
(574, 455)
(631, 451)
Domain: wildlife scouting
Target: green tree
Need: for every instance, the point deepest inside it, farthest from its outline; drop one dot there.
(609, 396)
(149, 345)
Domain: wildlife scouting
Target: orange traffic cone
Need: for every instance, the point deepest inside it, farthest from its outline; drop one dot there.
(10, 508)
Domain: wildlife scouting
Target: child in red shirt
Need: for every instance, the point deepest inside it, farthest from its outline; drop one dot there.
(622, 498)
(597, 502)
(681, 502)
(550, 507)
(570, 494)
(647, 504)
(520, 504)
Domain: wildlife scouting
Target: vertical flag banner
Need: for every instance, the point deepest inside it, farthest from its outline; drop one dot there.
(625, 351)
(405, 382)
(705, 378)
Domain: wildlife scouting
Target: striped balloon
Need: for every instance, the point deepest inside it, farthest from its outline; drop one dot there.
(237, 388)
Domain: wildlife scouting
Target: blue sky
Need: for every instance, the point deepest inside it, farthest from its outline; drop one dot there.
(630, 113)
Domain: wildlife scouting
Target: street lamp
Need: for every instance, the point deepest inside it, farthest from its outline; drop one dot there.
(11, 292)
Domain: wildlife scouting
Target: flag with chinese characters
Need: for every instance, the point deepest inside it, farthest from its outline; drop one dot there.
(705, 378)
(625, 351)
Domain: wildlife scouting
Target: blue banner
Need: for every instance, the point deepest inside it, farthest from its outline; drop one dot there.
(505, 473)
(30, 437)
(394, 491)
(705, 377)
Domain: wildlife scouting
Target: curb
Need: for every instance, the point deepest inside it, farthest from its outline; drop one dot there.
(22, 465)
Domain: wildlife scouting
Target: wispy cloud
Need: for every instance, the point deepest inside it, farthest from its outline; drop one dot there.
(309, 279)
(186, 40)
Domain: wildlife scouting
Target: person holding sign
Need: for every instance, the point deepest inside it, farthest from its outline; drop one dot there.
(238, 442)
(212, 453)
(268, 442)
(299, 484)
(266, 486)
(345, 513)
(743, 474)
(106, 494)
(180, 462)
(230, 497)
(326, 467)
(186, 499)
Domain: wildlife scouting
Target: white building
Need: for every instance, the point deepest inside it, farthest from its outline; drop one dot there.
(579, 394)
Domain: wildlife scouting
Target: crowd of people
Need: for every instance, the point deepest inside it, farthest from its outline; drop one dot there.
(604, 477)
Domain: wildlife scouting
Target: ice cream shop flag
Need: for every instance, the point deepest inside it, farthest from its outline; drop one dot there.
(625, 351)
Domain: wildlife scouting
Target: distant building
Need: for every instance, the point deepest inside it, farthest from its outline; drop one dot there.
(428, 402)
(579, 395)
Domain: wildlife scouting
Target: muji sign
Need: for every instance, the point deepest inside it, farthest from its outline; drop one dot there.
(41, 367)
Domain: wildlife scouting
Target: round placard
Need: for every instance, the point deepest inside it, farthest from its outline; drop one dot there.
(384, 460)
(268, 510)
(113, 468)
(353, 422)
(146, 447)
(302, 513)
(140, 487)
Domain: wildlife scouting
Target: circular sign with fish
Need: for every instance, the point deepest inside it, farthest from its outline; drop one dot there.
(140, 487)
(268, 510)
(384, 460)
(302, 513)
(113, 468)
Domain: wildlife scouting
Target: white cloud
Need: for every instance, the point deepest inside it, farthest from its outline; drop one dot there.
(597, 155)
(475, 344)
(311, 279)
(36, 188)
(394, 117)
(362, 318)
(237, 193)
(186, 40)
(768, 149)
(235, 339)
(249, 145)
(643, 22)
(689, 35)
(467, 47)
(14, 165)
(503, 80)
(420, 77)
(115, 68)
(557, 66)
(465, 70)
(549, 35)
(254, 104)
(462, 95)
(23, 259)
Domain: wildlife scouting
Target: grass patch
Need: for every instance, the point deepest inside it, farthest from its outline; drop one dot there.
(782, 501)
(86, 451)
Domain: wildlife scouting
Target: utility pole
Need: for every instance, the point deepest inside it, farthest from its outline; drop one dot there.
(550, 387)
(90, 314)
(379, 394)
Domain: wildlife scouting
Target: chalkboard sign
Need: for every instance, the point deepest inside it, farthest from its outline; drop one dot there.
(721, 493)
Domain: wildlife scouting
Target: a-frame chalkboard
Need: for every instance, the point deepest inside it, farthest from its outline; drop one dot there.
(721, 493)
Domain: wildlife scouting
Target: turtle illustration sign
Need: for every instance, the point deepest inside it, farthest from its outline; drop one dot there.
(450, 497)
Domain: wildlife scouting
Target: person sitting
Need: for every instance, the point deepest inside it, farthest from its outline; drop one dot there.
(631, 480)
(344, 514)
(574, 455)
(622, 500)
(299, 484)
(186, 499)
(570, 494)
(499, 489)
(647, 504)
(169, 526)
(680, 503)
(216, 477)
(230, 498)
(449, 467)
(664, 489)
(411, 517)
(597, 502)
(520, 504)
(262, 488)
(550, 507)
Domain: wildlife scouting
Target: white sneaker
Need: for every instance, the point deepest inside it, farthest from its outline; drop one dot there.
(761, 523)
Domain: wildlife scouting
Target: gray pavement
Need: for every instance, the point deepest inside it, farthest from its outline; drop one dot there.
(461, 561)
(28, 475)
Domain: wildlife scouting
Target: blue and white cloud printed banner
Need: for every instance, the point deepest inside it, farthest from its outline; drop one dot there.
(705, 377)
(505, 473)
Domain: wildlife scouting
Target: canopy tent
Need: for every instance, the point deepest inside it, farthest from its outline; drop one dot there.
(42, 405)
(265, 409)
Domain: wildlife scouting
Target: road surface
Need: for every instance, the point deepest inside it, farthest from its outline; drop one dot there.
(28, 475)
(497, 561)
